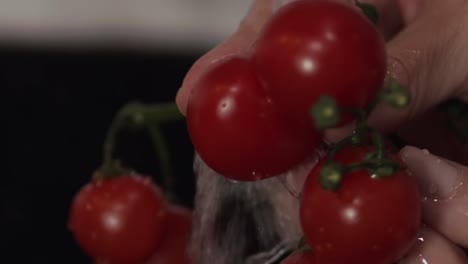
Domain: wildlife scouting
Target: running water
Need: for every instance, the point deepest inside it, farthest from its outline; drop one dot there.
(242, 222)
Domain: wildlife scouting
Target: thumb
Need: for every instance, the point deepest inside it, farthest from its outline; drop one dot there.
(427, 57)
(236, 44)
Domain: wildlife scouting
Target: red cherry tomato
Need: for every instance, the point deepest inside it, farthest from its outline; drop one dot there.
(118, 220)
(299, 257)
(238, 130)
(367, 221)
(173, 248)
(314, 48)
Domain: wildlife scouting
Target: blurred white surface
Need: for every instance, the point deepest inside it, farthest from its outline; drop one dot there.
(176, 24)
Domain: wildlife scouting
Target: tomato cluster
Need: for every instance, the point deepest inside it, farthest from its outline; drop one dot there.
(249, 117)
(126, 220)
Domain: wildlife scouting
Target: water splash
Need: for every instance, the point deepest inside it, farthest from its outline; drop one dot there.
(236, 222)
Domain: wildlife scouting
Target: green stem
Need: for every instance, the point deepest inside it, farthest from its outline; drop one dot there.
(355, 166)
(111, 137)
(377, 140)
(142, 114)
(370, 165)
(162, 152)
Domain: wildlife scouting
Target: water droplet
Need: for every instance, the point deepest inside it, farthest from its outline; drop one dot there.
(256, 176)
(423, 260)
(425, 152)
(232, 181)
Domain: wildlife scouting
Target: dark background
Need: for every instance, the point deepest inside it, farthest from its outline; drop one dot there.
(58, 106)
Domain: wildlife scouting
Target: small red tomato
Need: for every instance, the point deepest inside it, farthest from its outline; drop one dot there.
(299, 257)
(367, 221)
(118, 220)
(238, 130)
(313, 48)
(173, 247)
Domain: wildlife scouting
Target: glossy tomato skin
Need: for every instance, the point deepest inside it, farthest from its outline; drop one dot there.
(300, 257)
(118, 220)
(312, 48)
(173, 248)
(367, 221)
(238, 130)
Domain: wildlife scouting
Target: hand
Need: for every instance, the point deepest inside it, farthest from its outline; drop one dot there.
(427, 54)
(445, 208)
(427, 57)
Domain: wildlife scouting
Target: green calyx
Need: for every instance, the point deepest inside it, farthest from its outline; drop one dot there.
(111, 170)
(331, 176)
(395, 94)
(325, 113)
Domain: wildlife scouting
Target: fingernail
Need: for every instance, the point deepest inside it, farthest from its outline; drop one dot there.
(437, 178)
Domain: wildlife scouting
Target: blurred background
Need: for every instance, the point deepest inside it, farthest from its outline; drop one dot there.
(66, 67)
